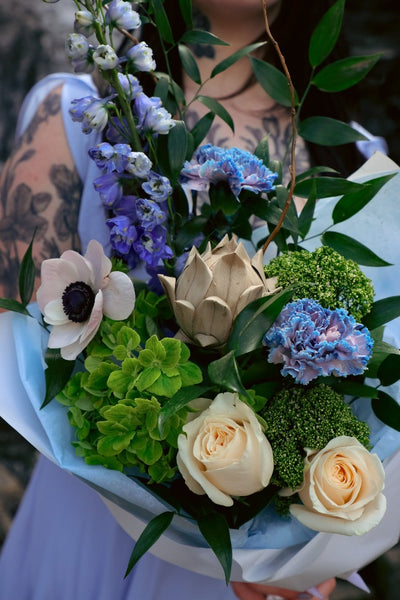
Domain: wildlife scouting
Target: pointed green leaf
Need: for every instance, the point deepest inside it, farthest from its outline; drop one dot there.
(350, 248)
(179, 401)
(177, 147)
(262, 150)
(328, 132)
(230, 60)
(151, 533)
(307, 214)
(27, 274)
(14, 306)
(218, 109)
(387, 410)
(57, 374)
(162, 22)
(381, 351)
(326, 33)
(186, 12)
(272, 81)
(215, 531)
(353, 388)
(389, 370)
(314, 171)
(201, 128)
(344, 73)
(189, 63)
(326, 187)
(254, 321)
(198, 36)
(352, 203)
(382, 312)
(225, 372)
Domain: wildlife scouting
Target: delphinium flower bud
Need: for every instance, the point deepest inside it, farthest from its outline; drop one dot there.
(105, 57)
(130, 85)
(121, 14)
(141, 57)
(152, 116)
(91, 112)
(157, 187)
(84, 22)
(79, 52)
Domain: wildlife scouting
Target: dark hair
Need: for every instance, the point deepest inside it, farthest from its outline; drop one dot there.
(292, 29)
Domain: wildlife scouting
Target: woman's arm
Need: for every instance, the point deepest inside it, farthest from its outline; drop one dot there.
(40, 192)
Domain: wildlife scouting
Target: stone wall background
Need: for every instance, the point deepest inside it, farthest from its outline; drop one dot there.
(31, 46)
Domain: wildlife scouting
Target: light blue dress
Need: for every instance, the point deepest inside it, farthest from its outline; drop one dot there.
(56, 549)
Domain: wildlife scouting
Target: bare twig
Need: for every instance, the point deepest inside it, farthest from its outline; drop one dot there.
(292, 167)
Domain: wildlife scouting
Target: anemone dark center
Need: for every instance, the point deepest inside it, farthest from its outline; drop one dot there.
(78, 301)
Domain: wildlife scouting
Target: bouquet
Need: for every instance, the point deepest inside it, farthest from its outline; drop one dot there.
(235, 396)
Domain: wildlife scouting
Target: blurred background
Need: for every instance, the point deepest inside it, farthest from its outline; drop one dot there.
(32, 45)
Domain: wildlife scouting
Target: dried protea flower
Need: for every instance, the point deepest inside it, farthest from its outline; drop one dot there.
(213, 288)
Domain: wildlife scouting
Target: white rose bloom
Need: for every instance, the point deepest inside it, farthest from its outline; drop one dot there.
(342, 489)
(223, 452)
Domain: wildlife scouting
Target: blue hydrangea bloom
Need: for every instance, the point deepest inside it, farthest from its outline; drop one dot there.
(312, 341)
(239, 168)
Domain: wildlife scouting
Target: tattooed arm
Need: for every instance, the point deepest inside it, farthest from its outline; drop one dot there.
(40, 191)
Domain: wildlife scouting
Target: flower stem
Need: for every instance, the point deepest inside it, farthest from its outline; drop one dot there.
(292, 166)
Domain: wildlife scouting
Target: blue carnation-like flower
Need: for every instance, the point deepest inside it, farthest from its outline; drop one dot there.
(312, 341)
(239, 168)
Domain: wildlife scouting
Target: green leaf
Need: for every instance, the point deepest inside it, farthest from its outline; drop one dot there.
(381, 351)
(218, 109)
(57, 374)
(307, 214)
(389, 370)
(27, 275)
(198, 36)
(186, 12)
(326, 187)
(328, 132)
(189, 63)
(387, 410)
(262, 150)
(177, 402)
(215, 531)
(14, 306)
(201, 128)
(353, 388)
(326, 33)
(344, 73)
(151, 533)
(272, 81)
(254, 320)
(161, 19)
(230, 60)
(350, 248)
(177, 147)
(352, 203)
(225, 372)
(382, 311)
(314, 171)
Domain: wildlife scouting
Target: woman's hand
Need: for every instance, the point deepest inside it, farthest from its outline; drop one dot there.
(256, 591)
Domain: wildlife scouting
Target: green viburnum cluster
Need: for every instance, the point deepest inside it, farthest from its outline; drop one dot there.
(327, 277)
(297, 418)
(115, 403)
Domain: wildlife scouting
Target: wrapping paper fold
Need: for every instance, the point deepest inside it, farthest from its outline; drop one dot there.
(283, 554)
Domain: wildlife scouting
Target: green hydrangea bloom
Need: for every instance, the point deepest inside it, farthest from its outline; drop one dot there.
(298, 418)
(327, 277)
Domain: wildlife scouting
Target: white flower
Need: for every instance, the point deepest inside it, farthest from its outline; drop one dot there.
(223, 452)
(75, 293)
(141, 55)
(342, 489)
(105, 57)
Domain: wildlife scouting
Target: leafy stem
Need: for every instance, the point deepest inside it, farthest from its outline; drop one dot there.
(292, 166)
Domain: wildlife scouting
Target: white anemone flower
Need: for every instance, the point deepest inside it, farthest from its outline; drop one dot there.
(76, 291)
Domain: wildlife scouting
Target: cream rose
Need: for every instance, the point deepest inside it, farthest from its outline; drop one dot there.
(342, 489)
(223, 452)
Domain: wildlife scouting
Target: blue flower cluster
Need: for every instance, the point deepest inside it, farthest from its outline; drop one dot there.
(136, 227)
(239, 168)
(312, 341)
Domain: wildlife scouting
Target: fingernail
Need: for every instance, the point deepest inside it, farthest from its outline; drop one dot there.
(304, 596)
